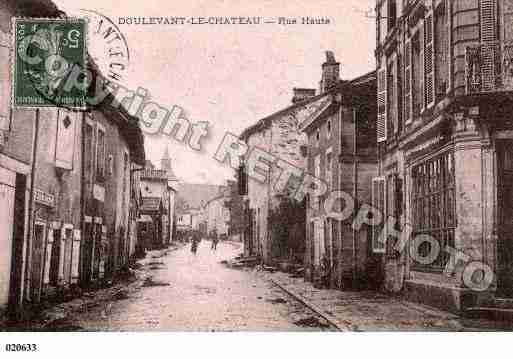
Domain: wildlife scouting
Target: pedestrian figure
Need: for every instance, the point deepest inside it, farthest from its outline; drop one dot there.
(194, 242)
(215, 240)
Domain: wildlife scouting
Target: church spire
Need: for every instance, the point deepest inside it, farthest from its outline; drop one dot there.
(166, 164)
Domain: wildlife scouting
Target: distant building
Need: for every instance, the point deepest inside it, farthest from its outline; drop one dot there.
(158, 190)
(217, 214)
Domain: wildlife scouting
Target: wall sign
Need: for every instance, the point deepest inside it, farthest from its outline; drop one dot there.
(44, 198)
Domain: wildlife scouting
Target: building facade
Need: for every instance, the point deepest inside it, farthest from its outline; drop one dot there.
(341, 151)
(158, 190)
(445, 141)
(65, 187)
(278, 135)
(217, 215)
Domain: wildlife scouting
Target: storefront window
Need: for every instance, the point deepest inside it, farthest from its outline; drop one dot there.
(433, 204)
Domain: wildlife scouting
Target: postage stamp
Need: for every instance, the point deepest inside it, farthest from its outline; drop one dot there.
(45, 53)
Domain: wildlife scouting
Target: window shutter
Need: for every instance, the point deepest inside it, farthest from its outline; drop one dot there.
(48, 256)
(378, 202)
(382, 104)
(64, 148)
(75, 259)
(489, 49)
(422, 67)
(429, 61)
(396, 102)
(407, 82)
(5, 81)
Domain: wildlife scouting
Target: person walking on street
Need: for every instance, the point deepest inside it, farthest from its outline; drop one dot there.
(194, 243)
(215, 240)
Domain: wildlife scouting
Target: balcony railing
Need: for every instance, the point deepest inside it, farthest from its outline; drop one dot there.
(489, 68)
(154, 174)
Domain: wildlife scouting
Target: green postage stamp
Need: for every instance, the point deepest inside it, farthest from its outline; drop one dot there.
(46, 53)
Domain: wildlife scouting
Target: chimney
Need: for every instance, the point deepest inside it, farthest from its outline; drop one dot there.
(330, 72)
(301, 94)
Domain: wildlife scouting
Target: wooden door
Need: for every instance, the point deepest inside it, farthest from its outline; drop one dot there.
(37, 260)
(505, 219)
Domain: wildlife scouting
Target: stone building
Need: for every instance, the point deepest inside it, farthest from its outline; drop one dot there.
(22, 196)
(217, 215)
(341, 151)
(158, 190)
(280, 135)
(445, 144)
(65, 186)
(112, 145)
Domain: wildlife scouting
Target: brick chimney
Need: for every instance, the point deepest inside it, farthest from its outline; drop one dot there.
(301, 94)
(330, 72)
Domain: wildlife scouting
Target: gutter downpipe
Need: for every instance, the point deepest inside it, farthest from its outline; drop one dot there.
(355, 194)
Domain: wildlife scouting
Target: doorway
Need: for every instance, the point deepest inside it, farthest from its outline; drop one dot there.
(505, 218)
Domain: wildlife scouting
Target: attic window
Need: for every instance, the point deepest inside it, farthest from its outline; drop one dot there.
(318, 136)
(328, 128)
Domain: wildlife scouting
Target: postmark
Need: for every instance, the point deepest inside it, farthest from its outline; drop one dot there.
(45, 52)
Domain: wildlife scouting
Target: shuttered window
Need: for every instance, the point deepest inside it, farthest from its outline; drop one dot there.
(392, 96)
(489, 50)
(394, 197)
(382, 105)
(429, 63)
(416, 76)
(378, 202)
(407, 82)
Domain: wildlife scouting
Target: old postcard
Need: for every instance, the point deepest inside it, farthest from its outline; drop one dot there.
(249, 166)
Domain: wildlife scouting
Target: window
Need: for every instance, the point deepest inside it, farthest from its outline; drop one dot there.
(417, 95)
(433, 202)
(391, 14)
(110, 165)
(391, 97)
(328, 128)
(382, 21)
(329, 169)
(88, 140)
(441, 51)
(317, 174)
(407, 83)
(100, 155)
(318, 136)
(394, 197)
(378, 202)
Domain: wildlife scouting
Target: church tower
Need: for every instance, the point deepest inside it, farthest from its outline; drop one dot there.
(166, 165)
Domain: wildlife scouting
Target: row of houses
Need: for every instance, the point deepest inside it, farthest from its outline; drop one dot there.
(159, 188)
(214, 216)
(71, 188)
(426, 139)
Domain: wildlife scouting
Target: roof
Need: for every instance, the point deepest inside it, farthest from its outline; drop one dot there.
(356, 92)
(266, 121)
(128, 126)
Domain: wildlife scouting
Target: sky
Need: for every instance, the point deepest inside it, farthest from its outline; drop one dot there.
(232, 75)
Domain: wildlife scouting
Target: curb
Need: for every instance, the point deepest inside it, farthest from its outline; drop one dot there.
(315, 308)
